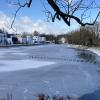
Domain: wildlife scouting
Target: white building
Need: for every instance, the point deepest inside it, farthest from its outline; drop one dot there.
(9, 38)
(20, 40)
(3, 39)
(63, 40)
(38, 39)
(9, 41)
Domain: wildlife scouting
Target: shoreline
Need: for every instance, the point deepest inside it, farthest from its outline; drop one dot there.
(95, 50)
(19, 45)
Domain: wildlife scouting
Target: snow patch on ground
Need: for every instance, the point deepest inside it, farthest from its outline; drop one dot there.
(22, 65)
(95, 50)
(20, 53)
(92, 49)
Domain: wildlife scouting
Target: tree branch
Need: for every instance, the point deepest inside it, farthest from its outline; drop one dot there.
(65, 16)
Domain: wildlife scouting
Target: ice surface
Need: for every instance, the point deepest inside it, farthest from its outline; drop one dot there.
(22, 65)
(49, 69)
(95, 50)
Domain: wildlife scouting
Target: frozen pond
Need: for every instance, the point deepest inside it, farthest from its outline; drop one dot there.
(51, 69)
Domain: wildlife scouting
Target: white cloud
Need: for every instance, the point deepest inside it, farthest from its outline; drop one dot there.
(5, 22)
(25, 24)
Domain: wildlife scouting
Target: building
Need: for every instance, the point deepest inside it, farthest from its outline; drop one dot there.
(24, 39)
(15, 40)
(38, 39)
(3, 39)
(29, 39)
(19, 37)
(42, 39)
(12, 39)
(9, 41)
(63, 40)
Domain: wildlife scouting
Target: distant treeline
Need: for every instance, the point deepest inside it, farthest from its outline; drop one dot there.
(83, 37)
(80, 36)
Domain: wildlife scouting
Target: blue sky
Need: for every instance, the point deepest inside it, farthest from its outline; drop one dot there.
(35, 12)
(35, 17)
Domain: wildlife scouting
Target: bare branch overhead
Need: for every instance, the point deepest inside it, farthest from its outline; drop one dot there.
(79, 10)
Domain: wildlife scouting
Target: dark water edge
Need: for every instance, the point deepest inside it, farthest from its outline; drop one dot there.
(96, 94)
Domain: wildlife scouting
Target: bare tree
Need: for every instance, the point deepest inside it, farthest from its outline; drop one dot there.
(95, 28)
(79, 10)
